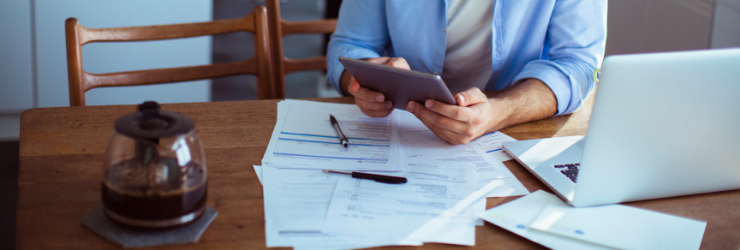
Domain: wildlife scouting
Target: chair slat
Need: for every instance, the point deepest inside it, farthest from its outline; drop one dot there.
(304, 64)
(306, 27)
(168, 75)
(160, 32)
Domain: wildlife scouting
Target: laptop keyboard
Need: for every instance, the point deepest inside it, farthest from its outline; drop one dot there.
(570, 170)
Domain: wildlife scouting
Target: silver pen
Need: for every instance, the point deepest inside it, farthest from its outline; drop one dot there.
(343, 139)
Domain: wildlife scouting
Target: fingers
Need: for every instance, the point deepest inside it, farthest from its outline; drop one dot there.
(398, 62)
(375, 113)
(364, 94)
(470, 97)
(379, 60)
(370, 102)
(374, 106)
(439, 121)
(456, 112)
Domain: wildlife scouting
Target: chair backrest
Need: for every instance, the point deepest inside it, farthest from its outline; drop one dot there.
(278, 29)
(80, 81)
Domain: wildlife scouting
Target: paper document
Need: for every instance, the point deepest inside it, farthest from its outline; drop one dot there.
(452, 225)
(296, 201)
(304, 138)
(420, 143)
(620, 226)
(545, 219)
(492, 144)
(393, 212)
(258, 171)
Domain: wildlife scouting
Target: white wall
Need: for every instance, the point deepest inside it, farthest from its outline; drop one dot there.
(16, 75)
(112, 57)
(33, 64)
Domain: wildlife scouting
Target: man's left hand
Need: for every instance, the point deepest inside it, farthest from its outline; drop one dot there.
(473, 117)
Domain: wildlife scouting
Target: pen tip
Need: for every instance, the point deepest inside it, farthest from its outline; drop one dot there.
(326, 171)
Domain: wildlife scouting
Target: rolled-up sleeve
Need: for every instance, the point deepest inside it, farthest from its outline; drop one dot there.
(362, 32)
(576, 36)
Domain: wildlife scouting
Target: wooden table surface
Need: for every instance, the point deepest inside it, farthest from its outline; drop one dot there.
(62, 151)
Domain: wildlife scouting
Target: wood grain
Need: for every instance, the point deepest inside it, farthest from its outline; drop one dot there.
(62, 150)
(81, 81)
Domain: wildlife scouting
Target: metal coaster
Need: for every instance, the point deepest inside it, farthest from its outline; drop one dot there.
(131, 237)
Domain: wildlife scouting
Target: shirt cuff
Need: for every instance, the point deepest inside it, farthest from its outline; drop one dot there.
(336, 68)
(556, 78)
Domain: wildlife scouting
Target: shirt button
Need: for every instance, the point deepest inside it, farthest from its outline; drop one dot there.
(444, 31)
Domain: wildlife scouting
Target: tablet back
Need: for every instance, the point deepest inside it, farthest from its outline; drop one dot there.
(398, 85)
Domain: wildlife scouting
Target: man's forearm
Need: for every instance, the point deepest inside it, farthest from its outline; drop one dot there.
(526, 101)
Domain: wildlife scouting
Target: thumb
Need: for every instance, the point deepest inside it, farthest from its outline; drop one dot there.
(471, 96)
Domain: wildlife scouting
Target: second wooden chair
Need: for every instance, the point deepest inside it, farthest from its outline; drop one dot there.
(279, 28)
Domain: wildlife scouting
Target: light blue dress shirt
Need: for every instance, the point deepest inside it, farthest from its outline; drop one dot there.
(560, 42)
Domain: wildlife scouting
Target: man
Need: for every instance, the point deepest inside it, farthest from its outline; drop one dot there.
(539, 56)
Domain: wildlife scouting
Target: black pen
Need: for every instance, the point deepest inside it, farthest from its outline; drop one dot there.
(377, 177)
(342, 138)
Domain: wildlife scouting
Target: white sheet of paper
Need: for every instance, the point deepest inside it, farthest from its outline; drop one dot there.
(614, 223)
(620, 226)
(451, 225)
(492, 144)
(258, 171)
(304, 138)
(295, 203)
(393, 212)
(516, 215)
(420, 143)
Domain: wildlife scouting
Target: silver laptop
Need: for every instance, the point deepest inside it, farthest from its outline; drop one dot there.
(664, 124)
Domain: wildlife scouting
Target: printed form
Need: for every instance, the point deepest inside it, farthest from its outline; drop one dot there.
(393, 212)
(420, 143)
(296, 201)
(492, 144)
(304, 138)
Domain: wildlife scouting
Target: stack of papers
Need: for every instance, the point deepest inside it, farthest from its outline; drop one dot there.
(304, 138)
(545, 219)
(308, 209)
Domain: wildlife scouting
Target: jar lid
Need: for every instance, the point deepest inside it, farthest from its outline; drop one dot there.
(150, 122)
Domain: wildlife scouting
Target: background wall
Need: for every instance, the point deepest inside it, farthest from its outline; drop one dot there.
(640, 26)
(33, 65)
(51, 55)
(726, 24)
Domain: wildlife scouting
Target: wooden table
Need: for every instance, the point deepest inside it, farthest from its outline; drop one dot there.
(62, 151)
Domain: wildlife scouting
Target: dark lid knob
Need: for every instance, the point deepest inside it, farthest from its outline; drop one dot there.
(150, 122)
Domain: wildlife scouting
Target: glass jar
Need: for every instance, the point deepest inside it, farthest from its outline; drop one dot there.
(154, 173)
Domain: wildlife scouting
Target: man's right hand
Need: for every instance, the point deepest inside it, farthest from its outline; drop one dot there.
(370, 102)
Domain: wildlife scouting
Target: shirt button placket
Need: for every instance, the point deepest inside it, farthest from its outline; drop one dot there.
(444, 31)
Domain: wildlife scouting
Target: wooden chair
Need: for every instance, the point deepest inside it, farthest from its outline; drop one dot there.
(279, 28)
(80, 81)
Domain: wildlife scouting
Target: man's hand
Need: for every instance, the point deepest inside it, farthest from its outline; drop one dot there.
(473, 117)
(476, 115)
(370, 102)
